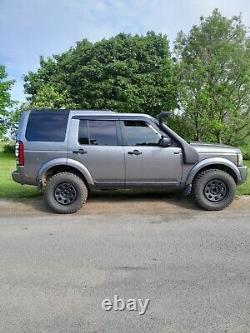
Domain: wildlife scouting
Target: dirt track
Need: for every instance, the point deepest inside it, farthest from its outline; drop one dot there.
(119, 202)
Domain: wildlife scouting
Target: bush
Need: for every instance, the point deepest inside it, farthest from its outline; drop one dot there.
(9, 148)
(246, 152)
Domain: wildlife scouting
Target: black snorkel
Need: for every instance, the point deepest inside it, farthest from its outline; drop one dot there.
(161, 117)
(189, 153)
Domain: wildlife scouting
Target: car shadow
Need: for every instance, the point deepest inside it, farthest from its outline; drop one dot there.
(120, 202)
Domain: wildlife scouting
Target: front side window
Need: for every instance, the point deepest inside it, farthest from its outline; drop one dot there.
(139, 133)
(98, 132)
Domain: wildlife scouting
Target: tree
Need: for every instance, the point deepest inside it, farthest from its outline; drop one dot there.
(5, 98)
(213, 62)
(46, 87)
(9, 123)
(124, 73)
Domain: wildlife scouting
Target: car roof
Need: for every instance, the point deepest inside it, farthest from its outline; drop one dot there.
(107, 113)
(95, 112)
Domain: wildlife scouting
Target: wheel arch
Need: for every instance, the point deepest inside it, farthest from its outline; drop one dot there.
(64, 165)
(214, 163)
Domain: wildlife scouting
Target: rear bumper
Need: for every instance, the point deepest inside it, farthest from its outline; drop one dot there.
(20, 177)
(243, 174)
(16, 176)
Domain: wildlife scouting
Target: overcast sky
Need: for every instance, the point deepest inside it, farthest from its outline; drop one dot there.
(30, 28)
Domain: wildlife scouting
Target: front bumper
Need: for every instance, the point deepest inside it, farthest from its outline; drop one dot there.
(243, 173)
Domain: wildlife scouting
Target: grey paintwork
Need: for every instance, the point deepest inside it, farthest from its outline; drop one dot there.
(105, 163)
(105, 166)
(64, 161)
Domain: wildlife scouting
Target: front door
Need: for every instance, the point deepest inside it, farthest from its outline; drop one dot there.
(146, 161)
(96, 144)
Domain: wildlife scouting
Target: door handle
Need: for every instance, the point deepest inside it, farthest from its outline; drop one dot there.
(135, 152)
(80, 151)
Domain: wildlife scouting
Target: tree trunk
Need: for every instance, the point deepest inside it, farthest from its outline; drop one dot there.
(197, 127)
(219, 140)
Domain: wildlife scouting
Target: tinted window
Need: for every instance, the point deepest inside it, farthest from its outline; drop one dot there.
(83, 135)
(139, 133)
(98, 132)
(47, 126)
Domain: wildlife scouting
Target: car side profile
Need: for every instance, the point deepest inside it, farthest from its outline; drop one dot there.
(70, 152)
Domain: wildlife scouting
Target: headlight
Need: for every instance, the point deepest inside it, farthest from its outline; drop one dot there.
(239, 160)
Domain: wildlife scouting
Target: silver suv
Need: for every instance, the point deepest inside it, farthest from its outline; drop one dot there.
(69, 152)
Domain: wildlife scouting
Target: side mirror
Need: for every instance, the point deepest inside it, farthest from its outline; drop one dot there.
(165, 141)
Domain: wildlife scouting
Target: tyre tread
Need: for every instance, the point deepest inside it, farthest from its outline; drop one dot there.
(70, 209)
(199, 200)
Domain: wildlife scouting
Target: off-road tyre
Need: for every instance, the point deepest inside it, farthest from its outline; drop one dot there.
(207, 183)
(65, 193)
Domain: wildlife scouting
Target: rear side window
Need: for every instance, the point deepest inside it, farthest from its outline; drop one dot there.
(98, 132)
(47, 126)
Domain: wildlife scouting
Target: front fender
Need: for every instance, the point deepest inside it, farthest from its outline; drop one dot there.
(65, 161)
(216, 161)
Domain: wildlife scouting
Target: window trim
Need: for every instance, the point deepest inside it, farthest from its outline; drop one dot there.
(118, 132)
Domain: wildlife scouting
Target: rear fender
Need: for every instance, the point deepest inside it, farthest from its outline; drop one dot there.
(62, 162)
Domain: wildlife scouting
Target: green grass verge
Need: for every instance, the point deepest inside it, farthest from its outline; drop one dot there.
(244, 189)
(8, 188)
(11, 190)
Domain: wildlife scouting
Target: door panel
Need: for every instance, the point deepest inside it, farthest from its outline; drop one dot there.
(153, 165)
(146, 161)
(104, 161)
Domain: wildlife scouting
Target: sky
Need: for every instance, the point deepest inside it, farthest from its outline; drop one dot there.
(30, 28)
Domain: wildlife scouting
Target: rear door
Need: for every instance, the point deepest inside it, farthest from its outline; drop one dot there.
(146, 161)
(97, 145)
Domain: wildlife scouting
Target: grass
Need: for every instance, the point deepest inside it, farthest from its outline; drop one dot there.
(244, 189)
(8, 188)
(11, 190)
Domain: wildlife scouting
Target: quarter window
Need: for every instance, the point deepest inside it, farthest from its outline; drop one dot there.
(47, 126)
(139, 133)
(98, 132)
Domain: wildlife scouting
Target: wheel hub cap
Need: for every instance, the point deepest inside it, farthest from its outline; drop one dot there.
(215, 190)
(65, 193)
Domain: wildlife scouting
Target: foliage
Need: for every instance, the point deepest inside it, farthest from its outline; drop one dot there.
(5, 86)
(244, 189)
(9, 147)
(5, 98)
(246, 150)
(46, 87)
(213, 63)
(10, 120)
(125, 73)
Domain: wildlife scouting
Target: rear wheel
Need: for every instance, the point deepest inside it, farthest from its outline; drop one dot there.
(213, 189)
(65, 193)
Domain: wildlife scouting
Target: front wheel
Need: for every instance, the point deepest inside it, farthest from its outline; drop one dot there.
(65, 193)
(213, 189)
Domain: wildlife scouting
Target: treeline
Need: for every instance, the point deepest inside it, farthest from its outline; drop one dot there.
(204, 81)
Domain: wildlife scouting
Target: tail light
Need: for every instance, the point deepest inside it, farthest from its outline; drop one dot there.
(20, 153)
